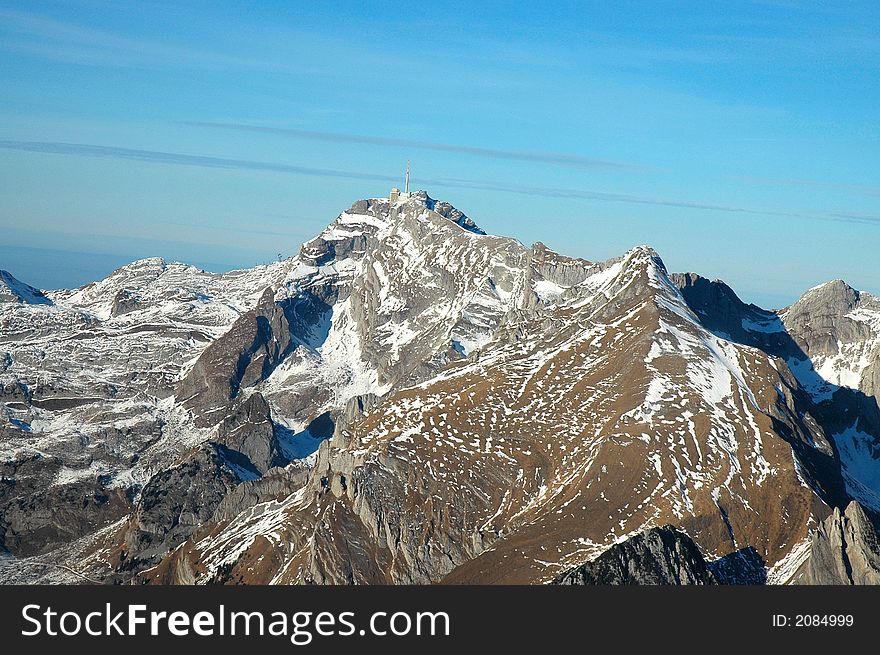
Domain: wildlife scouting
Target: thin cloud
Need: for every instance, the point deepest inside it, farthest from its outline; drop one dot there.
(558, 158)
(180, 159)
(854, 217)
(581, 194)
(801, 182)
(70, 42)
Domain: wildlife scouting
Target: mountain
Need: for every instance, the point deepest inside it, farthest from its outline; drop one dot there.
(844, 550)
(658, 556)
(14, 291)
(411, 400)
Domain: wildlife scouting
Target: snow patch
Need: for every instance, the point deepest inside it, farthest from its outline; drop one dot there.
(769, 326)
(860, 457)
(549, 291)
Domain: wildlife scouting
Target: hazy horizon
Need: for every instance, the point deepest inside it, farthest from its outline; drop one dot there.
(58, 268)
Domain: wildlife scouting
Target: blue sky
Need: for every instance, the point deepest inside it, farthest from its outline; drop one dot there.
(740, 139)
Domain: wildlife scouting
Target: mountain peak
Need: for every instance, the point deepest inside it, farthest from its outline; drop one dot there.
(13, 290)
(418, 200)
(836, 295)
(834, 286)
(645, 252)
(644, 258)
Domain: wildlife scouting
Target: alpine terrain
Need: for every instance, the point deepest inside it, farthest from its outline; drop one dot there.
(410, 400)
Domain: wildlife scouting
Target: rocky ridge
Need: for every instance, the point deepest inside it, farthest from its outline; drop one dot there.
(658, 556)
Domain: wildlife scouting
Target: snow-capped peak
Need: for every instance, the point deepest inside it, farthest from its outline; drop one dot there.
(13, 290)
(420, 200)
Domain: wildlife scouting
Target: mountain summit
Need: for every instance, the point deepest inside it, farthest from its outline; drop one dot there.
(411, 400)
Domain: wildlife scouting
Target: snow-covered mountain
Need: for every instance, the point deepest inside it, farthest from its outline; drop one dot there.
(411, 400)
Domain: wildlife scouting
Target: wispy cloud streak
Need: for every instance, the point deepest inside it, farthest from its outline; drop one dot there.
(203, 161)
(854, 217)
(558, 158)
(604, 196)
(818, 184)
(179, 159)
(70, 42)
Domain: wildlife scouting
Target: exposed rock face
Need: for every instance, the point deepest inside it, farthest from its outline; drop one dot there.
(658, 556)
(175, 502)
(34, 523)
(838, 329)
(244, 356)
(275, 485)
(449, 212)
(845, 550)
(124, 301)
(249, 430)
(719, 309)
(820, 318)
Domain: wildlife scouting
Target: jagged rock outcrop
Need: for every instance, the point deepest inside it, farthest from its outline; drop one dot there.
(176, 502)
(658, 556)
(845, 550)
(353, 411)
(36, 522)
(449, 212)
(838, 330)
(276, 484)
(718, 308)
(245, 355)
(820, 318)
(250, 431)
(125, 301)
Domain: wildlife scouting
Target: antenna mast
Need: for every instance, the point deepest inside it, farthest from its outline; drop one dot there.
(406, 182)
